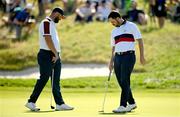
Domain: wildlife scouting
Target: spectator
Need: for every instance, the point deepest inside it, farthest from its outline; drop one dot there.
(171, 8)
(13, 9)
(103, 11)
(3, 5)
(152, 11)
(95, 4)
(160, 12)
(41, 8)
(85, 13)
(176, 16)
(116, 4)
(9, 4)
(136, 15)
(69, 6)
(22, 19)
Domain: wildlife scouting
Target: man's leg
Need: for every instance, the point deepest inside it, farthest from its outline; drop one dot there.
(118, 69)
(131, 66)
(44, 61)
(56, 83)
(127, 67)
(18, 31)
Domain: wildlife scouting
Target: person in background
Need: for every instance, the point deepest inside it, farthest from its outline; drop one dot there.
(69, 6)
(152, 11)
(136, 15)
(85, 13)
(103, 11)
(161, 12)
(22, 19)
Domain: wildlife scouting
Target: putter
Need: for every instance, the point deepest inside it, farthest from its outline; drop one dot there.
(52, 80)
(106, 90)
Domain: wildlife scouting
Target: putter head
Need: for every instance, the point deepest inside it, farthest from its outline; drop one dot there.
(52, 107)
(102, 111)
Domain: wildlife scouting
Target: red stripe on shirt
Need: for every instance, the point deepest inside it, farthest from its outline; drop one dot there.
(46, 28)
(124, 39)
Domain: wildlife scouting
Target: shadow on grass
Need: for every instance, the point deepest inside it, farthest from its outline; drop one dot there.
(44, 111)
(111, 113)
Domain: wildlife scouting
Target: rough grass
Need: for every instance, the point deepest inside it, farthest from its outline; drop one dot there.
(139, 81)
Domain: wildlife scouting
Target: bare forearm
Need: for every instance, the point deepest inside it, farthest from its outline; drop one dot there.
(50, 44)
(141, 47)
(141, 50)
(112, 54)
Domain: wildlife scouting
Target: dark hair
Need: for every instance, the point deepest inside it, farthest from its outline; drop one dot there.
(114, 15)
(88, 2)
(59, 10)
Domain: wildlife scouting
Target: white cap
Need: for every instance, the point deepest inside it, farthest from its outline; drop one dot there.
(29, 6)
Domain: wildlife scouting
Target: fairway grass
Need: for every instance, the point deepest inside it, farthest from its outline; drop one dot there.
(150, 104)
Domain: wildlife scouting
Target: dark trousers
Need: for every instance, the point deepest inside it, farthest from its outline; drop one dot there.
(46, 66)
(123, 66)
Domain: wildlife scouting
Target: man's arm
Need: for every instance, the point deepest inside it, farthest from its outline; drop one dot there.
(50, 45)
(111, 60)
(141, 51)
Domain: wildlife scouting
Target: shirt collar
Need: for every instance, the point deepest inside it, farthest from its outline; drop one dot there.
(124, 22)
(48, 18)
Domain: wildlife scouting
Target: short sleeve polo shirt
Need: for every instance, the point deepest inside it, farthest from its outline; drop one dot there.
(48, 27)
(123, 37)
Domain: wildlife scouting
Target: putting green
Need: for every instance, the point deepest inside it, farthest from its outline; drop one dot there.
(150, 104)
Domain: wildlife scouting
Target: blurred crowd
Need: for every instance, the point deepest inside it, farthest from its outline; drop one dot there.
(18, 13)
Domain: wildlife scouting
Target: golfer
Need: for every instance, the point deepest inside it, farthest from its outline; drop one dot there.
(123, 57)
(49, 60)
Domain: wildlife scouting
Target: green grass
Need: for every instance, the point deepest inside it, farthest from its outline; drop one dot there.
(150, 104)
(138, 81)
(90, 44)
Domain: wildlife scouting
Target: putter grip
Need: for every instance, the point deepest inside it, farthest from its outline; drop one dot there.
(109, 76)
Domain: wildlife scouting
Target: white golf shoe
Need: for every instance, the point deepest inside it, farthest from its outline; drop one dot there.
(120, 109)
(32, 106)
(131, 107)
(63, 107)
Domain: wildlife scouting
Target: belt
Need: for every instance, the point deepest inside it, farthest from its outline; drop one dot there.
(125, 53)
(48, 52)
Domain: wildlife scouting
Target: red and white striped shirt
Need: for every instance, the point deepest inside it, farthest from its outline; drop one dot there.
(123, 37)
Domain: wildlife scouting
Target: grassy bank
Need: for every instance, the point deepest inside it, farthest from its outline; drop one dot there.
(90, 44)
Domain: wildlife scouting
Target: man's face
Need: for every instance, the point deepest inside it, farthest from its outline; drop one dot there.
(114, 22)
(58, 17)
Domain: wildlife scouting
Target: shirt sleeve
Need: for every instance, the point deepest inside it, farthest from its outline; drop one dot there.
(46, 28)
(136, 32)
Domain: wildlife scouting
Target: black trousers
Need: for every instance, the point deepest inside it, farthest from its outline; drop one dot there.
(123, 66)
(46, 66)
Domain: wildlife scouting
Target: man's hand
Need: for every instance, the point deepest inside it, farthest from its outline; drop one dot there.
(142, 60)
(55, 58)
(111, 65)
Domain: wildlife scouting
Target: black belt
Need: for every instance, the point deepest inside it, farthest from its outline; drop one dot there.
(48, 52)
(125, 53)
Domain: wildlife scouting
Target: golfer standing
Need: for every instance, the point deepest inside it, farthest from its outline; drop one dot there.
(49, 60)
(123, 57)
